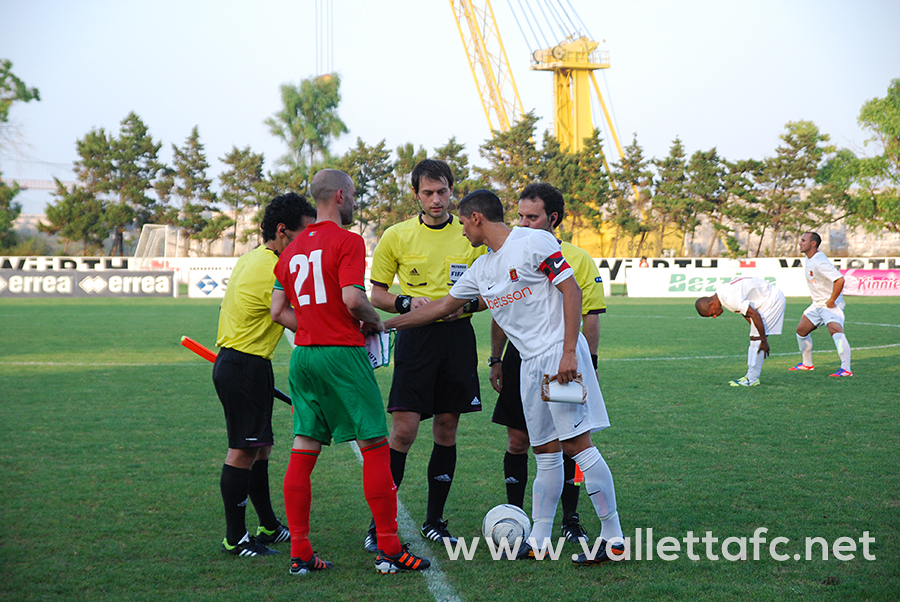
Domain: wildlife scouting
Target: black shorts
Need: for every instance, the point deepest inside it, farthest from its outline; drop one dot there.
(436, 370)
(509, 410)
(246, 387)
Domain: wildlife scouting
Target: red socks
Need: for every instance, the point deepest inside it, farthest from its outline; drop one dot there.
(381, 495)
(378, 486)
(297, 498)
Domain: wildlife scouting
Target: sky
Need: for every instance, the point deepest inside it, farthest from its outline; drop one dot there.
(715, 73)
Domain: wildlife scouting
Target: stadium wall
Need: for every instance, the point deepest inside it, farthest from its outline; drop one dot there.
(208, 276)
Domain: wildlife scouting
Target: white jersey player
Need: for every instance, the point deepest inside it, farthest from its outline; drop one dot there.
(528, 287)
(825, 285)
(762, 304)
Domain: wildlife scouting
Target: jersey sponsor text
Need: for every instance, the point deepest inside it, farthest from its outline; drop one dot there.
(502, 300)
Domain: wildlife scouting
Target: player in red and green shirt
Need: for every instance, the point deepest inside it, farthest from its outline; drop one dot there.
(322, 297)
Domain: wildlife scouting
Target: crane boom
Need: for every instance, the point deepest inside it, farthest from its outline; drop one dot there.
(487, 60)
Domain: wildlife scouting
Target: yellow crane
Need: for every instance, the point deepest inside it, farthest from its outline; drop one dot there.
(565, 51)
(487, 60)
(572, 61)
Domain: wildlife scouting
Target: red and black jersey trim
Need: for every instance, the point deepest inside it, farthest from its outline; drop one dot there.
(553, 265)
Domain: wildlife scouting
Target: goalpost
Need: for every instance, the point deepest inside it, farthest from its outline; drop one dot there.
(156, 241)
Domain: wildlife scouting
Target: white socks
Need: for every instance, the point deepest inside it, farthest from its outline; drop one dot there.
(755, 361)
(598, 482)
(806, 345)
(840, 343)
(843, 349)
(547, 487)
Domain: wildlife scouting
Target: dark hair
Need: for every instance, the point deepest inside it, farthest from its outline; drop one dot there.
(815, 236)
(550, 196)
(702, 306)
(433, 169)
(484, 202)
(288, 209)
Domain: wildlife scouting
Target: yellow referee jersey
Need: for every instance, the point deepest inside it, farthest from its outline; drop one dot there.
(588, 278)
(244, 320)
(426, 260)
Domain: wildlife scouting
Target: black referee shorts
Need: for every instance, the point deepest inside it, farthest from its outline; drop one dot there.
(509, 410)
(436, 370)
(245, 385)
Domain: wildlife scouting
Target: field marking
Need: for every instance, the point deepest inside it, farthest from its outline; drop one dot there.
(602, 359)
(100, 364)
(607, 316)
(438, 585)
(716, 357)
(870, 324)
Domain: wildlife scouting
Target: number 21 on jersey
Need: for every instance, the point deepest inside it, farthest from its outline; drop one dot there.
(300, 265)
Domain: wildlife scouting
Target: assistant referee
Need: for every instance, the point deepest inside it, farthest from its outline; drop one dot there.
(244, 381)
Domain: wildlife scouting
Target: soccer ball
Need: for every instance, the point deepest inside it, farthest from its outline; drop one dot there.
(505, 522)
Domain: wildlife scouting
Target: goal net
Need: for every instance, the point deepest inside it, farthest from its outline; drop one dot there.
(155, 241)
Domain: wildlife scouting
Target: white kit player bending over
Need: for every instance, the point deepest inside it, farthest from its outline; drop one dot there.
(825, 286)
(761, 304)
(529, 289)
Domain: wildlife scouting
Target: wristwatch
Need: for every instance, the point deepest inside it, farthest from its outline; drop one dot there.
(403, 303)
(493, 360)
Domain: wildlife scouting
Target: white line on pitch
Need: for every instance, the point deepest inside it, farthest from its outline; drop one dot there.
(101, 364)
(716, 357)
(612, 359)
(870, 324)
(602, 359)
(438, 585)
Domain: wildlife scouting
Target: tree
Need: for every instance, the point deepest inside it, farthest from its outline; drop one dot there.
(587, 187)
(881, 116)
(631, 196)
(876, 205)
(453, 153)
(120, 171)
(213, 230)
(78, 216)
(136, 163)
(706, 185)
(308, 120)
(743, 200)
(672, 204)
(12, 90)
(9, 211)
(242, 185)
(191, 187)
(513, 161)
(783, 178)
(372, 171)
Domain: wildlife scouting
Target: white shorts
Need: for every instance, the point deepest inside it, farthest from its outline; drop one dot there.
(549, 421)
(772, 313)
(824, 315)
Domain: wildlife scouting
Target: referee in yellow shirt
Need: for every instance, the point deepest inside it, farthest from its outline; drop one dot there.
(244, 381)
(541, 206)
(435, 366)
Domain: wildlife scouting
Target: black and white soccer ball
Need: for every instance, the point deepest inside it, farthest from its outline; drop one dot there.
(505, 522)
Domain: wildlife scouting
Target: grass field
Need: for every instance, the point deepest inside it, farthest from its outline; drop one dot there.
(114, 444)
